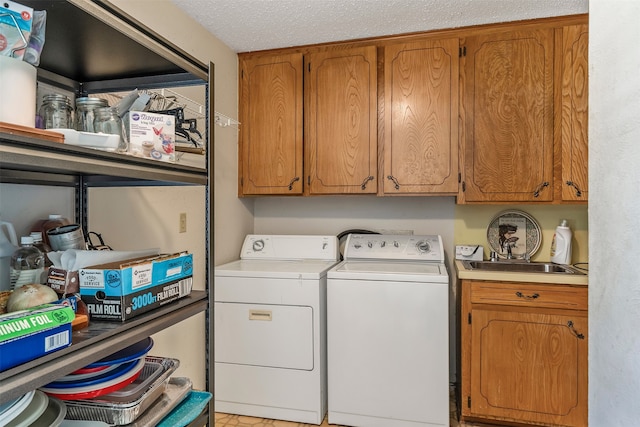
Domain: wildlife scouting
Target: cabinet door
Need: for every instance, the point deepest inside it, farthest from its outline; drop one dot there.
(271, 131)
(341, 121)
(421, 117)
(575, 113)
(529, 367)
(507, 109)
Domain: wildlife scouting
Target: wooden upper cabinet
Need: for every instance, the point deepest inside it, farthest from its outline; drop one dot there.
(421, 117)
(507, 113)
(575, 112)
(341, 121)
(271, 131)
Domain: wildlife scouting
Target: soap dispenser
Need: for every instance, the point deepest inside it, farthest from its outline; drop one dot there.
(561, 244)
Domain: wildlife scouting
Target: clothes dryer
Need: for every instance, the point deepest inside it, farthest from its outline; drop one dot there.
(270, 328)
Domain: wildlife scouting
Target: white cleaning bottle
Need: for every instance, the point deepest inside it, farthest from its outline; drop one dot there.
(561, 244)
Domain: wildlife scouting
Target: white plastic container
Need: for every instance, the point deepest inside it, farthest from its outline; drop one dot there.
(17, 92)
(561, 244)
(8, 245)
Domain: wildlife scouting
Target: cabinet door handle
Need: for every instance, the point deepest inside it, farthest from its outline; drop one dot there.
(396, 184)
(521, 295)
(364, 183)
(536, 193)
(297, 178)
(576, 333)
(573, 184)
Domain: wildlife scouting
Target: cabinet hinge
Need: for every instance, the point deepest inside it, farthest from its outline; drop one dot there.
(309, 66)
(308, 179)
(463, 51)
(469, 318)
(464, 187)
(469, 402)
(459, 177)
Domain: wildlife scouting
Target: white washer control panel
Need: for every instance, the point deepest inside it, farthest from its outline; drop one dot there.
(290, 247)
(394, 247)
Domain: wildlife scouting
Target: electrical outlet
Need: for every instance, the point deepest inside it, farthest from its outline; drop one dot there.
(183, 222)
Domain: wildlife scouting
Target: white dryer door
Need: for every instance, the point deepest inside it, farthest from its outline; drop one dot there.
(277, 336)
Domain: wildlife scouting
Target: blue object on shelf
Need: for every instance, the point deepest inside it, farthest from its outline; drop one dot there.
(133, 352)
(188, 410)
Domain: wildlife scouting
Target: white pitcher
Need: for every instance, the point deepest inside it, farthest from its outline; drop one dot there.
(8, 244)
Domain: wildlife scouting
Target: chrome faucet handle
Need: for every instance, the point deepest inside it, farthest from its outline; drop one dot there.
(493, 256)
(509, 253)
(527, 257)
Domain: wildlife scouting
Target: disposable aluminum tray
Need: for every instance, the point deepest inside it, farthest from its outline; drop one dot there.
(130, 402)
(177, 390)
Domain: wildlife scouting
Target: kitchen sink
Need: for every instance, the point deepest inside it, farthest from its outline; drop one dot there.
(508, 266)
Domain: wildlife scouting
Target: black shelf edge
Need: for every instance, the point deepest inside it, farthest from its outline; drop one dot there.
(20, 153)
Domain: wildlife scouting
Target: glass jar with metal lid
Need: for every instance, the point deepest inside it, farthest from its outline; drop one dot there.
(85, 112)
(107, 121)
(56, 112)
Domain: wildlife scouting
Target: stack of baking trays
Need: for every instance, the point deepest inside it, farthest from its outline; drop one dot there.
(128, 387)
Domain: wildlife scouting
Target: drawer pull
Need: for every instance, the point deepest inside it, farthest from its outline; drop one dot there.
(297, 178)
(521, 295)
(260, 315)
(576, 333)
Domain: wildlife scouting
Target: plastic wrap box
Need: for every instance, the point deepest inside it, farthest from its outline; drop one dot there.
(26, 322)
(23, 349)
(121, 290)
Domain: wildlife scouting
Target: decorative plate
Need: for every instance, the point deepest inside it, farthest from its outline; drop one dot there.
(516, 229)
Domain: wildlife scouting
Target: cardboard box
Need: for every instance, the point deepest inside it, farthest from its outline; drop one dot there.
(23, 349)
(62, 281)
(121, 290)
(152, 135)
(25, 322)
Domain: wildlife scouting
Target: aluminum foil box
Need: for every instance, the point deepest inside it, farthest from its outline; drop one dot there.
(121, 290)
(23, 349)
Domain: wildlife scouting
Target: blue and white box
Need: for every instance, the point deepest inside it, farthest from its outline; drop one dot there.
(125, 289)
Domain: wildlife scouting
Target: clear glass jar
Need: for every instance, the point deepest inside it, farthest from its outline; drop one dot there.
(107, 121)
(85, 116)
(56, 112)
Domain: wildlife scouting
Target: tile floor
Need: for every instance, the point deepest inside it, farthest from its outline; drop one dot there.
(224, 420)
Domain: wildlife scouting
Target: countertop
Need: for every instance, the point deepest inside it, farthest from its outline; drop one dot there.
(561, 279)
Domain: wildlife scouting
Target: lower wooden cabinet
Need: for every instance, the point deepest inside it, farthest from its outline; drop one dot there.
(524, 353)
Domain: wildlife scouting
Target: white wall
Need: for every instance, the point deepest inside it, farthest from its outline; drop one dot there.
(117, 212)
(173, 24)
(614, 156)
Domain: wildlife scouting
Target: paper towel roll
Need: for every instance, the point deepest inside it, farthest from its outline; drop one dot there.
(17, 92)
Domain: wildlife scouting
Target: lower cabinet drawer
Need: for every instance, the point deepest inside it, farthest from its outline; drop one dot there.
(529, 294)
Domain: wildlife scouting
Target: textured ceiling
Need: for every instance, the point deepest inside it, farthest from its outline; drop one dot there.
(248, 25)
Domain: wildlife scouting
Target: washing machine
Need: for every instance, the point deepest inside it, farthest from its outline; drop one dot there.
(270, 328)
(388, 333)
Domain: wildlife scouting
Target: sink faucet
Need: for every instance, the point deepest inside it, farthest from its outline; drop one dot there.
(508, 248)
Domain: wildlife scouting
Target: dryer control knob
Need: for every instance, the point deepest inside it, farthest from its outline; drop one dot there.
(258, 245)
